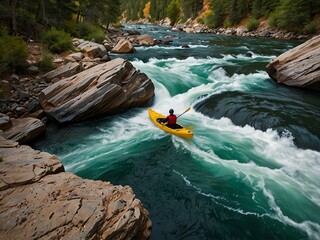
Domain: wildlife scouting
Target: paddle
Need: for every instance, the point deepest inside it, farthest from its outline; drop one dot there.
(188, 109)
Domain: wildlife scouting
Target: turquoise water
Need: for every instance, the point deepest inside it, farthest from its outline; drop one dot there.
(250, 172)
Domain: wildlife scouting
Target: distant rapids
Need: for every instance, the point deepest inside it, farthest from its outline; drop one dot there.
(252, 169)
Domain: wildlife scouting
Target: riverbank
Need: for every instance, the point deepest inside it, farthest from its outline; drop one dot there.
(263, 31)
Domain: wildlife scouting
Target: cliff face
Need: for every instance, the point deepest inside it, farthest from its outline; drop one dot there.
(299, 67)
(38, 200)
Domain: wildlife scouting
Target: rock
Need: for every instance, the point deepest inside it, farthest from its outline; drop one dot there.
(188, 30)
(145, 40)
(6, 87)
(92, 49)
(123, 46)
(38, 200)
(24, 130)
(63, 71)
(102, 90)
(68, 59)
(23, 95)
(185, 46)
(5, 122)
(264, 33)
(57, 60)
(14, 77)
(299, 67)
(77, 56)
(33, 69)
(34, 105)
(174, 29)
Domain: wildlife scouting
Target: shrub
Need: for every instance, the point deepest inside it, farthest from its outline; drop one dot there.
(57, 41)
(252, 24)
(89, 31)
(210, 20)
(227, 23)
(97, 34)
(13, 51)
(200, 20)
(46, 62)
(310, 28)
(272, 21)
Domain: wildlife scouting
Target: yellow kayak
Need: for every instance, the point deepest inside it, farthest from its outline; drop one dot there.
(179, 130)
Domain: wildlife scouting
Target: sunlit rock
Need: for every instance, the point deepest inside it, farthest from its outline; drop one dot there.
(123, 46)
(38, 200)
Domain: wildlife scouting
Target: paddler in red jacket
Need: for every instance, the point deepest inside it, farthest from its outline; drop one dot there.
(171, 120)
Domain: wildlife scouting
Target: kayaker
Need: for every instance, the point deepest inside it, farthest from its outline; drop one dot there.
(171, 120)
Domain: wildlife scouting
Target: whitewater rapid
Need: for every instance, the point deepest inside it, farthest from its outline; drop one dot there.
(273, 177)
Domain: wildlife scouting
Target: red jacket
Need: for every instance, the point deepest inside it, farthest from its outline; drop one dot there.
(172, 119)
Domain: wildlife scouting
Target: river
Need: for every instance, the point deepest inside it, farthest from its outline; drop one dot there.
(252, 170)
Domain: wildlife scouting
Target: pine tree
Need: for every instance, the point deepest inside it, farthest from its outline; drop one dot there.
(173, 12)
(292, 14)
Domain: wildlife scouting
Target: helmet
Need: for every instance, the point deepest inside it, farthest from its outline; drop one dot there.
(171, 111)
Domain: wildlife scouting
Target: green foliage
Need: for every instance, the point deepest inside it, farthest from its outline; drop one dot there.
(252, 24)
(13, 51)
(227, 24)
(219, 11)
(89, 31)
(46, 63)
(272, 20)
(191, 8)
(1, 159)
(211, 20)
(57, 41)
(173, 12)
(291, 15)
(200, 20)
(310, 28)
(97, 34)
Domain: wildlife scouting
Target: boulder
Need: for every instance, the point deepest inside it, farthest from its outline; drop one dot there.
(92, 49)
(24, 130)
(102, 90)
(38, 200)
(299, 67)
(67, 70)
(145, 40)
(123, 46)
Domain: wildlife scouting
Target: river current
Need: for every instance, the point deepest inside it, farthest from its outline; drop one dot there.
(252, 170)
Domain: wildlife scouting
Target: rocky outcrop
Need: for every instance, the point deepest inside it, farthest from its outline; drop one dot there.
(101, 90)
(38, 200)
(299, 67)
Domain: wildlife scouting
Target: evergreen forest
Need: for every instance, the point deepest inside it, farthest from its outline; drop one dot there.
(292, 15)
(30, 17)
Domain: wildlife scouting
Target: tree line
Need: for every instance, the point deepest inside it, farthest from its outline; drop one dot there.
(29, 17)
(293, 15)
